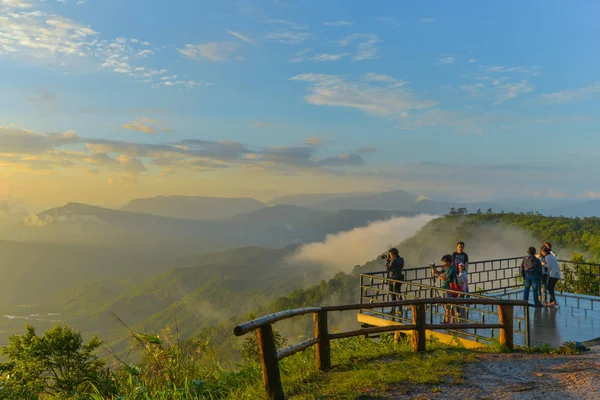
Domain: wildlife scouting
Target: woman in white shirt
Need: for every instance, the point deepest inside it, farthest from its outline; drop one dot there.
(553, 272)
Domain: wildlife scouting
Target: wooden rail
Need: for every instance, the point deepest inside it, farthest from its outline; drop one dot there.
(270, 356)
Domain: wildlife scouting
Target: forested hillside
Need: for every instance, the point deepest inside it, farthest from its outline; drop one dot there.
(486, 236)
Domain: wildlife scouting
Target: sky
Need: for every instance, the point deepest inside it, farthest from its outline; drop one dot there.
(103, 101)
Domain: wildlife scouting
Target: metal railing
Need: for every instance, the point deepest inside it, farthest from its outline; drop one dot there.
(375, 289)
(484, 276)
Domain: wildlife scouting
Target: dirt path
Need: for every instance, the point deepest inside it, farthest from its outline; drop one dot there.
(523, 377)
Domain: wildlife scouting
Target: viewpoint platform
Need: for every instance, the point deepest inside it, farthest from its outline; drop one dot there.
(576, 318)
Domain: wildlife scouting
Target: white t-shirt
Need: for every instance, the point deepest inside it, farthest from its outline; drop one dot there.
(552, 266)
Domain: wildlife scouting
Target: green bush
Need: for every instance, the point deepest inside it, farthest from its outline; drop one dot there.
(56, 364)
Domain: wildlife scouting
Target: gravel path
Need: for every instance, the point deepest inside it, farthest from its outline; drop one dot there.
(523, 377)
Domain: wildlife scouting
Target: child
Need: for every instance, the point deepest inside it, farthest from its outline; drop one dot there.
(463, 282)
(463, 279)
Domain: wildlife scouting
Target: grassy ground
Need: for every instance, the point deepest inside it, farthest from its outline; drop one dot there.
(366, 369)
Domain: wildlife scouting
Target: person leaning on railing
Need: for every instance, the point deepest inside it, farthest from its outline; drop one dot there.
(531, 271)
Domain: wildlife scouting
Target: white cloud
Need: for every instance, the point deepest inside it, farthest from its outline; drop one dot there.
(533, 71)
(36, 35)
(288, 37)
(427, 20)
(387, 100)
(513, 90)
(365, 45)
(188, 84)
(446, 60)
(290, 24)
(338, 23)
(40, 35)
(213, 51)
(472, 60)
(372, 77)
(15, 4)
(143, 124)
(242, 37)
(145, 53)
(306, 56)
(573, 95)
(461, 123)
(500, 84)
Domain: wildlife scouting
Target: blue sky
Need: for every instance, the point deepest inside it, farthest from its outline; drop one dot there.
(275, 97)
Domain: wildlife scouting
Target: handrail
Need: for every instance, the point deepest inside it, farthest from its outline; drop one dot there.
(470, 263)
(270, 356)
(271, 318)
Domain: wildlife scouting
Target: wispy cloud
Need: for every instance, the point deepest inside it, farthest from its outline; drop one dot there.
(365, 45)
(383, 99)
(307, 55)
(446, 60)
(213, 51)
(143, 124)
(32, 35)
(499, 83)
(533, 71)
(288, 37)
(573, 95)
(242, 37)
(427, 20)
(338, 23)
(513, 90)
(16, 4)
(290, 24)
(314, 141)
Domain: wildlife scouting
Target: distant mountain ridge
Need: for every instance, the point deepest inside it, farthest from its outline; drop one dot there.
(193, 207)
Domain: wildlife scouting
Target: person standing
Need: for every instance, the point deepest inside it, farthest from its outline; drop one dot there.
(553, 273)
(463, 282)
(531, 272)
(459, 256)
(446, 275)
(549, 246)
(394, 266)
(544, 279)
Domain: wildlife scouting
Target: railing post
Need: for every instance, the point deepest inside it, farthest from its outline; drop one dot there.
(505, 315)
(270, 365)
(322, 348)
(527, 333)
(418, 335)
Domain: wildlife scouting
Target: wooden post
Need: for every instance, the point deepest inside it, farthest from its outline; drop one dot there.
(363, 326)
(418, 335)
(270, 365)
(322, 348)
(505, 315)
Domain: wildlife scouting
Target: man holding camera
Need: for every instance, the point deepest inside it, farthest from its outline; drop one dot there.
(394, 266)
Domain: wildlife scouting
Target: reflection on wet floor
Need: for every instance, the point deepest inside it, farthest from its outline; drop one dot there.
(576, 319)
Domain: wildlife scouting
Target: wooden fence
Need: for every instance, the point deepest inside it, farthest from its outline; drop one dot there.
(270, 356)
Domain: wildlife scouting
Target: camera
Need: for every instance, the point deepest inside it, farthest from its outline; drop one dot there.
(385, 256)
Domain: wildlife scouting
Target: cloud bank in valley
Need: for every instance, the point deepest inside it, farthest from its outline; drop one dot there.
(344, 250)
